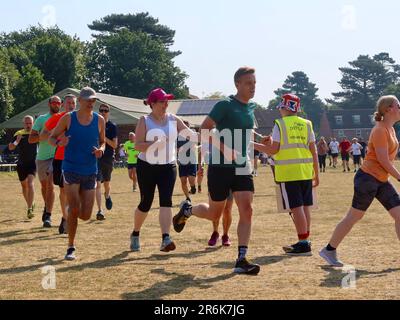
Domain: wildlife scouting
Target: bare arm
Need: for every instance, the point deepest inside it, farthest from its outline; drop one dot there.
(112, 143)
(59, 130)
(313, 150)
(44, 135)
(383, 158)
(34, 137)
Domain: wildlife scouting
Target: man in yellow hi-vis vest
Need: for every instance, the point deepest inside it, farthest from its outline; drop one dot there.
(296, 167)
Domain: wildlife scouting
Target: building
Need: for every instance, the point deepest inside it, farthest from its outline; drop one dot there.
(125, 112)
(356, 123)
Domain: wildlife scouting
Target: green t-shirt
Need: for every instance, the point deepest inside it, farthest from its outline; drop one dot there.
(46, 151)
(236, 119)
(129, 148)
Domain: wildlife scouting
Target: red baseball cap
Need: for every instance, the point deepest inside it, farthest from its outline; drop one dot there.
(158, 95)
(290, 102)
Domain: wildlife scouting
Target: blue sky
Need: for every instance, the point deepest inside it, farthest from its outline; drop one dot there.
(218, 36)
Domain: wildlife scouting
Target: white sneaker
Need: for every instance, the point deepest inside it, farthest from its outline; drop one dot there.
(70, 256)
(167, 245)
(331, 257)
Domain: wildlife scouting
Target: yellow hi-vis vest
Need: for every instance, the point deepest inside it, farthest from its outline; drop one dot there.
(294, 161)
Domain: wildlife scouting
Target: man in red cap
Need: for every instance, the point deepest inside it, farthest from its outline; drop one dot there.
(296, 167)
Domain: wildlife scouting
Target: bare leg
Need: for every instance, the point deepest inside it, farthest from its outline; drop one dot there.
(244, 201)
(184, 185)
(345, 226)
(72, 193)
(98, 196)
(395, 213)
(50, 195)
(140, 217)
(227, 217)
(24, 185)
(300, 220)
(165, 219)
(31, 191)
(63, 203)
(107, 189)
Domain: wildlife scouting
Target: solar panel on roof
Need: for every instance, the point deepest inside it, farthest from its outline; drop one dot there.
(196, 107)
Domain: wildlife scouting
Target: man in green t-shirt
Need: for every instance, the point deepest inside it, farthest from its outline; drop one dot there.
(132, 153)
(230, 167)
(44, 159)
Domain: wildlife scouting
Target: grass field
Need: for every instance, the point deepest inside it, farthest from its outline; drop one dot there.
(106, 269)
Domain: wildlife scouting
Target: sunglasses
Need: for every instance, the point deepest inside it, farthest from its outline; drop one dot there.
(55, 103)
(104, 111)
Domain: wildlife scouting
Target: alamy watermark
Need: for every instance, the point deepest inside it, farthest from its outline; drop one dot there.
(49, 281)
(350, 280)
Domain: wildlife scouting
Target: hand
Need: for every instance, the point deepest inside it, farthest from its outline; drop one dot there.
(97, 152)
(266, 140)
(316, 182)
(63, 141)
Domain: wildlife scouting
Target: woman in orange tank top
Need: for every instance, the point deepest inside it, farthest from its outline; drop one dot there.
(372, 180)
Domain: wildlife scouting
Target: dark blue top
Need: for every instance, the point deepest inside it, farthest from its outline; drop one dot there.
(111, 133)
(79, 157)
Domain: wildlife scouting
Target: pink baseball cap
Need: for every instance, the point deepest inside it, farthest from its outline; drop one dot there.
(158, 95)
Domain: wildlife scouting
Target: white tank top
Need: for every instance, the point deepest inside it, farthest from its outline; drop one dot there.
(165, 151)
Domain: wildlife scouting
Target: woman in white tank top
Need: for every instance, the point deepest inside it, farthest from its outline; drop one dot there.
(156, 139)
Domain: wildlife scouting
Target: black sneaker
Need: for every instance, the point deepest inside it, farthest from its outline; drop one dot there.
(193, 190)
(180, 219)
(244, 267)
(46, 220)
(100, 216)
(109, 203)
(299, 249)
(70, 256)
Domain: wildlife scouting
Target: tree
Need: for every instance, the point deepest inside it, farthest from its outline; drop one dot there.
(6, 99)
(132, 64)
(30, 89)
(141, 22)
(393, 89)
(365, 81)
(57, 55)
(299, 84)
(215, 95)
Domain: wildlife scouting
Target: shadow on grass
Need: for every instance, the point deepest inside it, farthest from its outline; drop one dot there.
(335, 276)
(176, 285)
(15, 233)
(32, 268)
(262, 261)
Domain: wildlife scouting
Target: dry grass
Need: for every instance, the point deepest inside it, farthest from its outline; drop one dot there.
(105, 268)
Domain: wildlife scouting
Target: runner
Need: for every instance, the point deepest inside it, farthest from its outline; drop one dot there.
(69, 103)
(106, 163)
(235, 113)
(356, 150)
(130, 149)
(156, 139)
(344, 148)
(372, 180)
(82, 132)
(26, 165)
(322, 148)
(187, 163)
(44, 159)
(296, 167)
(334, 147)
(226, 225)
(364, 149)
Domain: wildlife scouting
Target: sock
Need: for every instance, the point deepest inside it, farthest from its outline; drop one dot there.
(303, 238)
(135, 233)
(242, 252)
(165, 235)
(330, 248)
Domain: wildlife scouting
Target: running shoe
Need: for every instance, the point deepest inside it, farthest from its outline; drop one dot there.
(30, 214)
(330, 257)
(100, 216)
(70, 256)
(193, 190)
(109, 203)
(135, 244)
(167, 245)
(180, 219)
(299, 249)
(47, 220)
(244, 267)
(226, 242)
(214, 239)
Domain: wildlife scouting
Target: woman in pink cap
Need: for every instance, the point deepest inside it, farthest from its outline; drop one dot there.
(156, 139)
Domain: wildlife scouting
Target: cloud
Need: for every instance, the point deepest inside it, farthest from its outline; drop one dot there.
(349, 18)
(50, 16)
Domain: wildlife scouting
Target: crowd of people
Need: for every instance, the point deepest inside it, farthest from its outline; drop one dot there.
(75, 149)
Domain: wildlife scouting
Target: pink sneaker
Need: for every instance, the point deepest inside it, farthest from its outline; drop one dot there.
(214, 239)
(226, 242)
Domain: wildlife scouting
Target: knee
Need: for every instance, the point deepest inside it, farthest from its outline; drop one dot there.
(85, 217)
(145, 206)
(246, 213)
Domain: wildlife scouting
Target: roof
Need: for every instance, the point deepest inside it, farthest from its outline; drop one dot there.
(124, 110)
(265, 120)
(349, 121)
